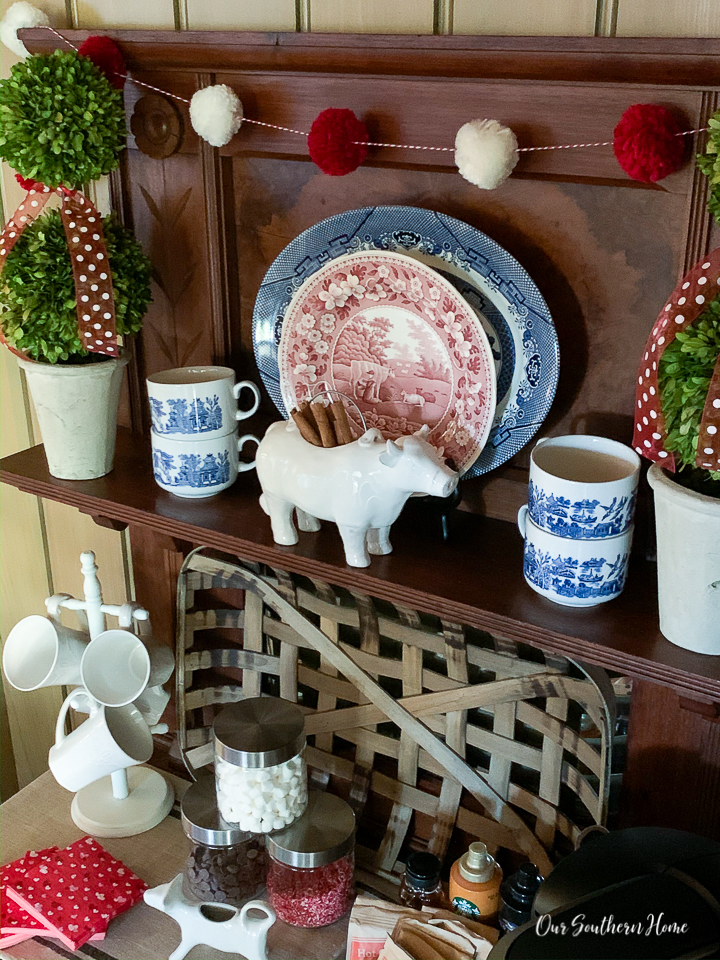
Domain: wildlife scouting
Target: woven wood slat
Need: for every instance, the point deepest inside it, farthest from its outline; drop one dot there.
(327, 698)
(410, 688)
(455, 736)
(401, 814)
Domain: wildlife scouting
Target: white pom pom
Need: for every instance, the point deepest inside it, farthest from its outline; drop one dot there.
(485, 153)
(216, 114)
(18, 16)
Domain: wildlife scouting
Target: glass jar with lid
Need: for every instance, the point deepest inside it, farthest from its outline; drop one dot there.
(225, 864)
(311, 865)
(421, 885)
(260, 773)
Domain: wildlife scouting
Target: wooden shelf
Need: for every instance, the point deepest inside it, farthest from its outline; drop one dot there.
(475, 579)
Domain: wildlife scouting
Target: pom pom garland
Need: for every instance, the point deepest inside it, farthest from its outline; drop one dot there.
(107, 57)
(648, 141)
(17, 17)
(485, 153)
(647, 144)
(216, 114)
(337, 142)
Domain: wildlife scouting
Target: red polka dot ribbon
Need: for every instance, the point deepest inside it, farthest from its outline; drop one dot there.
(31, 208)
(688, 300)
(90, 266)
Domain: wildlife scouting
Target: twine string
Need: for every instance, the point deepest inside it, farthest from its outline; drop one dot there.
(125, 76)
(366, 143)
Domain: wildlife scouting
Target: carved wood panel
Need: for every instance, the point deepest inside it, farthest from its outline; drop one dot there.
(603, 251)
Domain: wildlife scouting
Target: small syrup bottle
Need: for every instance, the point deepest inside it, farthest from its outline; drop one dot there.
(475, 884)
(516, 896)
(421, 885)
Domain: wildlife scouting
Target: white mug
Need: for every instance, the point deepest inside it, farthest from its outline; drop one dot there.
(115, 668)
(575, 573)
(583, 487)
(113, 738)
(198, 468)
(162, 658)
(151, 703)
(42, 652)
(197, 402)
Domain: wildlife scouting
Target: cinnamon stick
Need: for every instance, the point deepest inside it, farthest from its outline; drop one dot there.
(307, 431)
(342, 425)
(324, 426)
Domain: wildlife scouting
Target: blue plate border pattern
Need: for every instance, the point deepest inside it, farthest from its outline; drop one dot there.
(464, 255)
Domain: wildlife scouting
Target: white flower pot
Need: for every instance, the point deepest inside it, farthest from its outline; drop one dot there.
(688, 554)
(76, 406)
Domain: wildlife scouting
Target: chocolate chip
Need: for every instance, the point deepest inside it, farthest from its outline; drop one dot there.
(231, 875)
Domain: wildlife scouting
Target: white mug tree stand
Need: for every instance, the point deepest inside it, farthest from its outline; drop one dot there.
(129, 801)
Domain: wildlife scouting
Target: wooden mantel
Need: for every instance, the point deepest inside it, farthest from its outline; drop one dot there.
(604, 251)
(475, 579)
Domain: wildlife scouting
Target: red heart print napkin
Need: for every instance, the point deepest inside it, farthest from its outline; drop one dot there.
(17, 924)
(78, 892)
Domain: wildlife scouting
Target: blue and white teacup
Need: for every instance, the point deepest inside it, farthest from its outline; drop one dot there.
(198, 468)
(583, 487)
(575, 573)
(197, 402)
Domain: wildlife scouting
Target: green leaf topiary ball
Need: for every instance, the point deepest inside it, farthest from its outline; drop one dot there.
(37, 291)
(684, 374)
(709, 164)
(61, 120)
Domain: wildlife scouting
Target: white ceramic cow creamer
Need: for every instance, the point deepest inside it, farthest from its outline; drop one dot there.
(361, 486)
(217, 925)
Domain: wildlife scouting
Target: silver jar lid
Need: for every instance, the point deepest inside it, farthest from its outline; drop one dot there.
(322, 834)
(201, 818)
(259, 732)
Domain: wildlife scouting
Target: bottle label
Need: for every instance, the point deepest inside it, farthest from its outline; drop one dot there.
(465, 907)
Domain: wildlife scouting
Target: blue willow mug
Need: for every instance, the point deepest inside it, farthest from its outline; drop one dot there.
(575, 573)
(197, 402)
(199, 468)
(583, 487)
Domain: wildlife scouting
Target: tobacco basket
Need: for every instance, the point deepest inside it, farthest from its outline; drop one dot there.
(437, 734)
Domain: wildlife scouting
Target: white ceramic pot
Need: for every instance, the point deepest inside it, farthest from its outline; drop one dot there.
(688, 554)
(76, 407)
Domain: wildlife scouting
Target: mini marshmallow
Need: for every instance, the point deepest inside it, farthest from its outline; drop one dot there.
(261, 800)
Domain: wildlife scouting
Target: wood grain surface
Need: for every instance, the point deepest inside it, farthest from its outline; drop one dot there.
(476, 579)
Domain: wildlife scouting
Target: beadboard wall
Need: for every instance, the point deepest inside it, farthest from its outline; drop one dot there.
(41, 541)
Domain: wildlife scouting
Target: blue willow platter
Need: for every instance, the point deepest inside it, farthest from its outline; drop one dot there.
(509, 305)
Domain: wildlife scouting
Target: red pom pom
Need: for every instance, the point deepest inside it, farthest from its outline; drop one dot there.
(27, 183)
(107, 56)
(646, 143)
(337, 142)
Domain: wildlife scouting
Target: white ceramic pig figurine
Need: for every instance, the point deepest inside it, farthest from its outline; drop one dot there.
(361, 486)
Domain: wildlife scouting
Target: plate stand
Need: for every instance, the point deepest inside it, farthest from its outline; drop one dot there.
(96, 811)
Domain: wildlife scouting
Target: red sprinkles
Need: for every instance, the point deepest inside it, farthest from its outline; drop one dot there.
(311, 897)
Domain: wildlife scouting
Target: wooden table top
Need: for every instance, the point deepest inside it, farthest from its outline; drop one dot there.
(39, 816)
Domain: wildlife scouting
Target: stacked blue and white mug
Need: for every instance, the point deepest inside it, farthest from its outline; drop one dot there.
(578, 522)
(195, 443)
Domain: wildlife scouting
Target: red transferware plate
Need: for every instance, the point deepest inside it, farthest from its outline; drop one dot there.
(392, 334)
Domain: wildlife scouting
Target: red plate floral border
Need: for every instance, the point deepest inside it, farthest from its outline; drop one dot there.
(389, 332)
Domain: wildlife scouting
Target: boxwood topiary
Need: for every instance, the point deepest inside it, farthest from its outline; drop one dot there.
(37, 291)
(709, 163)
(684, 374)
(61, 120)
